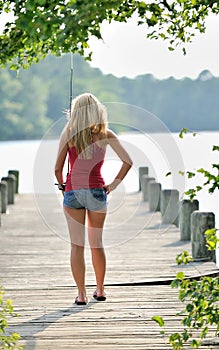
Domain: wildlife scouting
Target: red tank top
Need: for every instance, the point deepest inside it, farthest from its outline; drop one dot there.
(85, 173)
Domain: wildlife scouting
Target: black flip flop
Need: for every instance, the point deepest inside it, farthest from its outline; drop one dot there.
(100, 297)
(77, 302)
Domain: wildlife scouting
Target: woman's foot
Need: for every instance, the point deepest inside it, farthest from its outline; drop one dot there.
(80, 301)
(99, 296)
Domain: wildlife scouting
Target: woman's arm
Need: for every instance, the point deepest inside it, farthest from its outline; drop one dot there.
(60, 161)
(114, 142)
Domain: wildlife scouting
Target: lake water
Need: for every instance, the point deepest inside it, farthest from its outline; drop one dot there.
(162, 153)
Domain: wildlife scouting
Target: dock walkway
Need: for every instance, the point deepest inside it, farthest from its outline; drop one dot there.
(35, 273)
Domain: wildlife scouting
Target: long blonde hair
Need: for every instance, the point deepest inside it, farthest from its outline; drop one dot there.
(88, 117)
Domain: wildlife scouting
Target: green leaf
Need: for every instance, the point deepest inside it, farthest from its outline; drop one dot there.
(190, 174)
(211, 232)
(180, 275)
(211, 238)
(183, 258)
(182, 132)
(158, 320)
(201, 170)
(175, 283)
(186, 335)
(191, 193)
(189, 307)
(215, 166)
(204, 333)
(195, 343)
(175, 337)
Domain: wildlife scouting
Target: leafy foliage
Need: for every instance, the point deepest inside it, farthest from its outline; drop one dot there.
(183, 258)
(61, 26)
(211, 180)
(185, 131)
(6, 309)
(201, 310)
(211, 238)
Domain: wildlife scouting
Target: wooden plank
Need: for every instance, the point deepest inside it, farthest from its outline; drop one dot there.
(35, 272)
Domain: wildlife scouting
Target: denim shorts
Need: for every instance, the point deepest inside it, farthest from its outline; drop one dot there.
(93, 199)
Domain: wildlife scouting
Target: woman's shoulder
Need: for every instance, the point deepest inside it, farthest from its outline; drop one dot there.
(63, 140)
(110, 134)
(104, 137)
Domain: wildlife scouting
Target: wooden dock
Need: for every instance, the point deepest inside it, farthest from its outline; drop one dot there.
(35, 273)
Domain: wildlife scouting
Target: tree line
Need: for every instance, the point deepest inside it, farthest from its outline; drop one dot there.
(32, 100)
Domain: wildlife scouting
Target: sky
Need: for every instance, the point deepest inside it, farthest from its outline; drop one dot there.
(125, 51)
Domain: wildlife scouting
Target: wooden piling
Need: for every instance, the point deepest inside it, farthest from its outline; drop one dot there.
(11, 187)
(186, 209)
(154, 190)
(170, 206)
(144, 183)
(4, 196)
(201, 222)
(16, 174)
(143, 170)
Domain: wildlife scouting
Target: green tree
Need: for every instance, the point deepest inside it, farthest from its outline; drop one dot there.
(60, 26)
(39, 96)
(33, 98)
(9, 108)
(23, 106)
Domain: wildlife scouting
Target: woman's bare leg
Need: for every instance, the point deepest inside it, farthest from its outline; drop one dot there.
(95, 230)
(76, 225)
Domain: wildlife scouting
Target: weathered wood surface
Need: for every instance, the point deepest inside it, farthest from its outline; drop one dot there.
(35, 273)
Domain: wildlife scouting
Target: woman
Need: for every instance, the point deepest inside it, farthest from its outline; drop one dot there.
(84, 140)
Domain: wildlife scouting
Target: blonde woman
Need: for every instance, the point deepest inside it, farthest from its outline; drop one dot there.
(84, 140)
